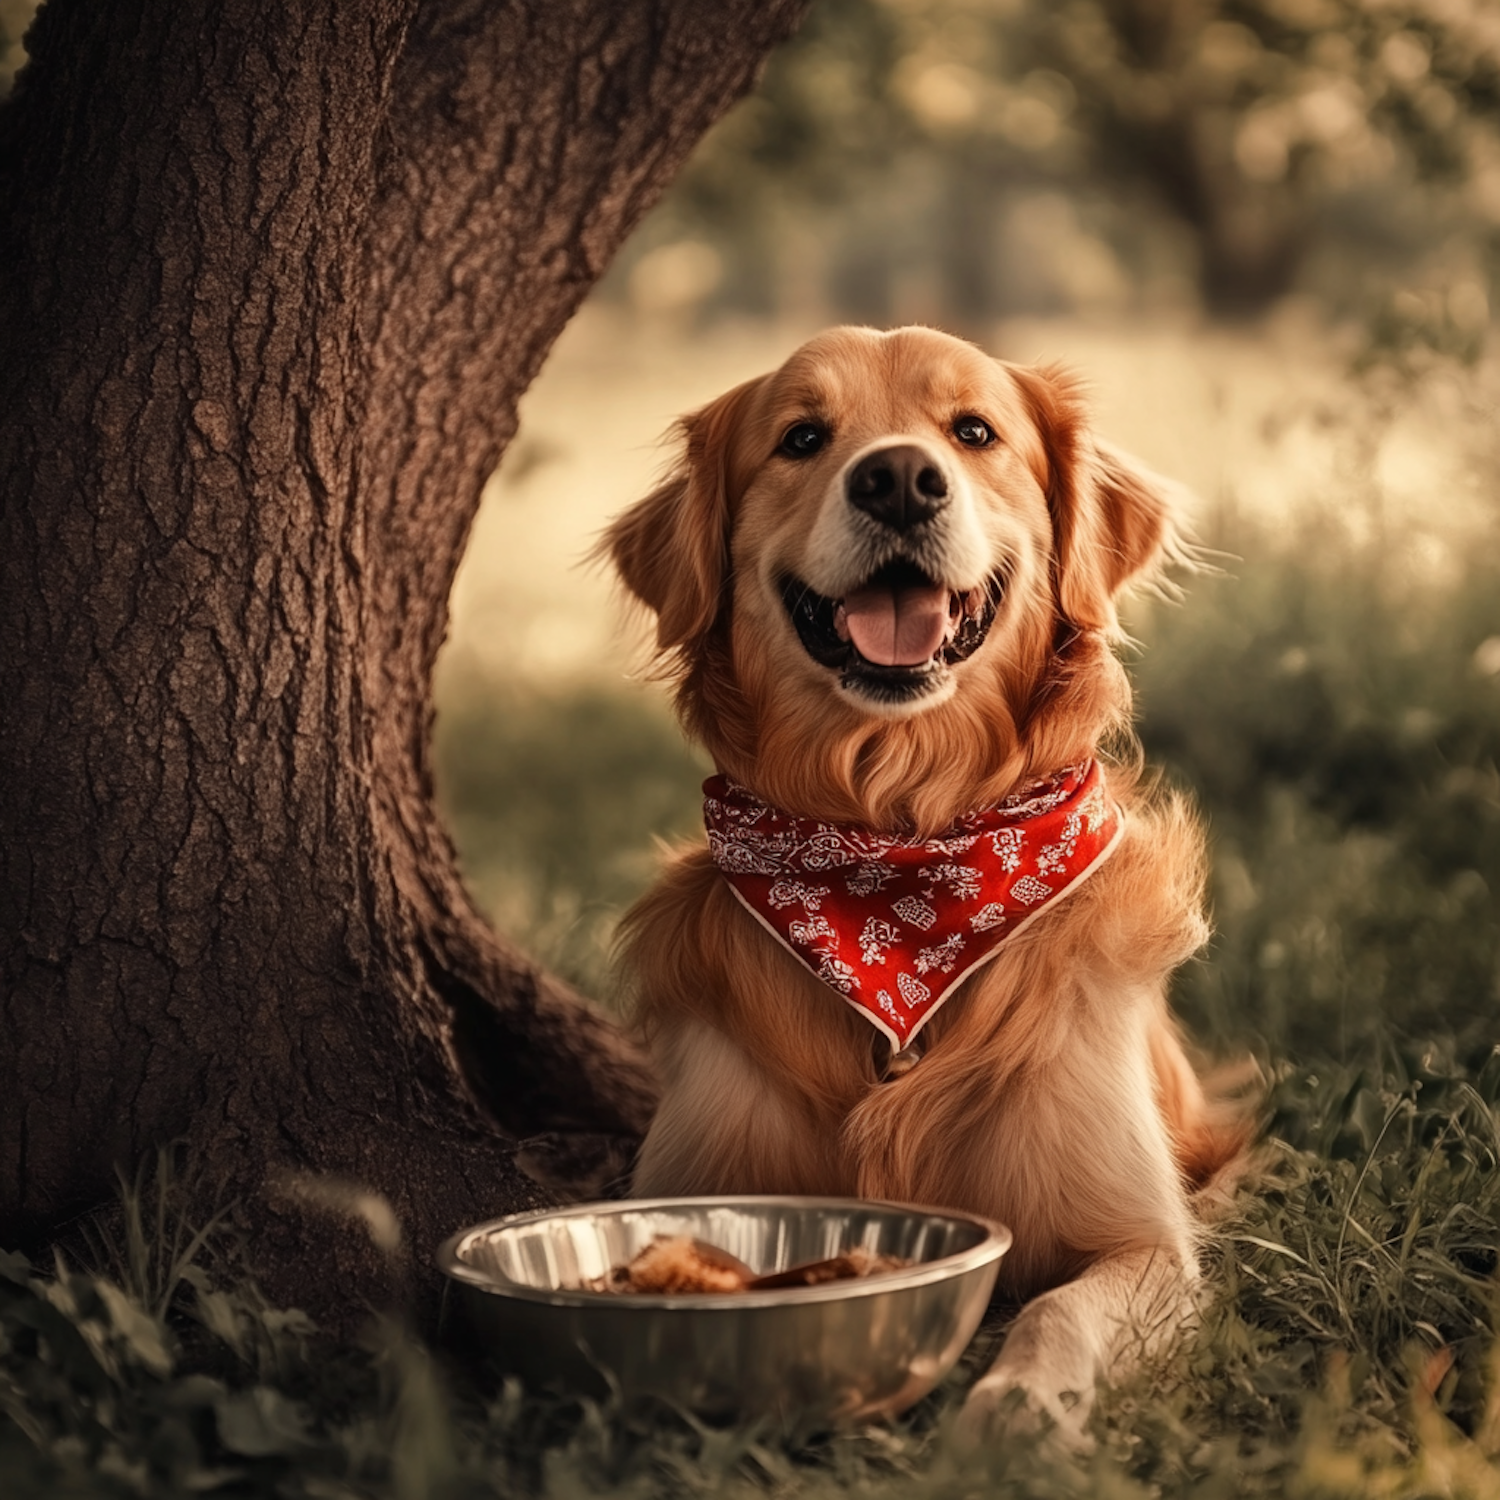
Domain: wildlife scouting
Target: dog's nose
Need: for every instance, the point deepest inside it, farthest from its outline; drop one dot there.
(899, 486)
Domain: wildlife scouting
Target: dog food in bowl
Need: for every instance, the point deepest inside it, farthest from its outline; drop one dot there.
(686, 1266)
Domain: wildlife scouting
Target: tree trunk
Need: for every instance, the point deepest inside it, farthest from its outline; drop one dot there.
(275, 277)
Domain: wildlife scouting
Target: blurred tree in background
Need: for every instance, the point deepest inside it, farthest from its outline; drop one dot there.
(962, 160)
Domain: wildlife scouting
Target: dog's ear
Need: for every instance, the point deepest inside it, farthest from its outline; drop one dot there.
(1112, 519)
(671, 549)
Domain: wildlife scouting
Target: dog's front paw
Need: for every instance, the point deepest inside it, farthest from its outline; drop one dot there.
(1005, 1403)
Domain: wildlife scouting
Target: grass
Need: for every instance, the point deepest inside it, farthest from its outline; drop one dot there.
(1337, 712)
(1349, 1350)
(1339, 722)
(555, 803)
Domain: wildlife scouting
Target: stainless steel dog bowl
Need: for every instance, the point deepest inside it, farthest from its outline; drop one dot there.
(844, 1350)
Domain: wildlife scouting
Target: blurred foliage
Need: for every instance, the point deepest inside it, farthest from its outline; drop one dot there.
(1349, 1350)
(1333, 702)
(1282, 131)
(1340, 724)
(959, 160)
(555, 802)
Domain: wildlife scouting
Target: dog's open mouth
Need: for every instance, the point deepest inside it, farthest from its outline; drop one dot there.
(896, 635)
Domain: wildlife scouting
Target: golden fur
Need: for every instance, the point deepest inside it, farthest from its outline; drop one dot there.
(1054, 1093)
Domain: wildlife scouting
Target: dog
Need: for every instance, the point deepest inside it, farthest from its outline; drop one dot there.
(924, 954)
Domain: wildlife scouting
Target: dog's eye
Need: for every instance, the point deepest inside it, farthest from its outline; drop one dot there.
(973, 433)
(803, 439)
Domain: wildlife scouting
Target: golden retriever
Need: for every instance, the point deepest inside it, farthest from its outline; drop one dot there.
(884, 581)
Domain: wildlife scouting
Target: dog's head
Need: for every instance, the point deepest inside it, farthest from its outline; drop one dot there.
(890, 560)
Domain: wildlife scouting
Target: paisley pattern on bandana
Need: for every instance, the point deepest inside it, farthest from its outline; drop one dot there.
(894, 925)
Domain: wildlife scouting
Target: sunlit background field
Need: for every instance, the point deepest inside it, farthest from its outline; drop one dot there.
(1266, 231)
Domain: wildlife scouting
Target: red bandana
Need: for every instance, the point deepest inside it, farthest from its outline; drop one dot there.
(894, 924)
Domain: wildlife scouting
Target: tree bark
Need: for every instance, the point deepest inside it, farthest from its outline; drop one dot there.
(274, 278)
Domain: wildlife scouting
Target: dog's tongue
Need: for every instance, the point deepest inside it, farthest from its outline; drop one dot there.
(897, 627)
